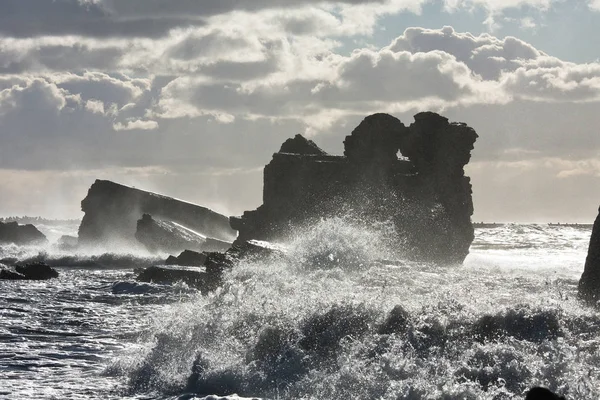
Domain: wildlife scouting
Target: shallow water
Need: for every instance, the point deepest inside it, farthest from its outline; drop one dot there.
(313, 324)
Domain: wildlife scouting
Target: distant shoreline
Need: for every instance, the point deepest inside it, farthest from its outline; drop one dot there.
(500, 224)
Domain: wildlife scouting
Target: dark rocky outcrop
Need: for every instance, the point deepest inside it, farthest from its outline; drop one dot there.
(589, 284)
(300, 145)
(171, 237)
(425, 193)
(33, 271)
(196, 277)
(10, 275)
(540, 393)
(206, 275)
(112, 211)
(12, 232)
(203, 270)
(187, 258)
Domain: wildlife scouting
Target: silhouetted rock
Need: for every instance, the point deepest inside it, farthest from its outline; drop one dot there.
(300, 145)
(426, 196)
(112, 211)
(188, 258)
(12, 232)
(206, 274)
(33, 271)
(10, 275)
(196, 277)
(171, 237)
(540, 393)
(589, 284)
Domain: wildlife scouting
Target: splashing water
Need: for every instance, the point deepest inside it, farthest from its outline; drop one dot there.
(318, 323)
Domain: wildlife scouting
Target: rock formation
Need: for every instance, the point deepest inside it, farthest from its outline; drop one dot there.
(589, 284)
(33, 271)
(206, 274)
(425, 193)
(171, 237)
(193, 276)
(12, 232)
(112, 211)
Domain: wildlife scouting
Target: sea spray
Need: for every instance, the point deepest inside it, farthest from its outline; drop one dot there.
(280, 328)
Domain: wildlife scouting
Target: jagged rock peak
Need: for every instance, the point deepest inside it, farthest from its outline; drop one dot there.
(301, 145)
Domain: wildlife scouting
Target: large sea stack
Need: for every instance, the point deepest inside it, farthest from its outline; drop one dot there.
(425, 192)
(589, 284)
(112, 212)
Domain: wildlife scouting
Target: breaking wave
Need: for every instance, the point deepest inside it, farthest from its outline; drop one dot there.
(330, 319)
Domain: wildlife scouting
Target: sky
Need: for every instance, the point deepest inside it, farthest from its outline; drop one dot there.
(191, 98)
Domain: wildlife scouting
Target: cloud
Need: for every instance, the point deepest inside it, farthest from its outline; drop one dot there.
(95, 106)
(136, 125)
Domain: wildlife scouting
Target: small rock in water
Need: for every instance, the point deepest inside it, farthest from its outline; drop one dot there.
(540, 393)
(10, 275)
(37, 271)
(33, 271)
(192, 276)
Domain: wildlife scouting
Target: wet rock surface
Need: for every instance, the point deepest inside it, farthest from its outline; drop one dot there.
(12, 232)
(112, 211)
(171, 237)
(425, 194)
(589, 284)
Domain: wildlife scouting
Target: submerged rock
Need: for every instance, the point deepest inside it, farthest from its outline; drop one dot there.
(12, 232)
(589, 284)
(33, 271)
(425, 193)
(112, 211)
(170, 237)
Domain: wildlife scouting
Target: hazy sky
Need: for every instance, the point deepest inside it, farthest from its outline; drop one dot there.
(191, 98)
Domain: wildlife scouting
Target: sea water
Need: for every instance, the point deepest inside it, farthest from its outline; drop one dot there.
(336, 315)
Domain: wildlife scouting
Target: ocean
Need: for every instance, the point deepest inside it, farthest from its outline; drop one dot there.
(335, 316)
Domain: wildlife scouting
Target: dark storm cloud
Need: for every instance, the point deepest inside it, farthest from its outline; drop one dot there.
(121, 18)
